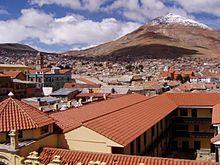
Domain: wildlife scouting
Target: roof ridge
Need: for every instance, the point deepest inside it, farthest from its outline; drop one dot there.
(116, 110)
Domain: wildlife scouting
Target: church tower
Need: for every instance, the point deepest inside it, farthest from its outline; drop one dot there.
(39, 61)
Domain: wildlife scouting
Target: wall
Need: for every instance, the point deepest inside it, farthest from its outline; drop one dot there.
(84, 139)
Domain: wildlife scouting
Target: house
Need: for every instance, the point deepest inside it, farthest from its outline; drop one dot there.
(50, 155)
(65, 94)
(23, 129)
(48, 77)
(13, 67)
(15, 75)
(168, 125)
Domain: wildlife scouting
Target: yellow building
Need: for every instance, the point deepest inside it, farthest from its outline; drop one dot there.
(23, 129)
(13, 67)
(168, 125)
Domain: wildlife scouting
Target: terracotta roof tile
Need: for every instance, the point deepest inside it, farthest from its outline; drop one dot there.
(15, 114)
(127, 124)
(63, 71)
(72, 118)
(195, 99)
(216, 114)
(74, 157)
(12, 74)
(43, 70)
(125, 118)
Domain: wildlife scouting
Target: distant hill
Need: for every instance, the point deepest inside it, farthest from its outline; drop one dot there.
(169, 36)
(16, 50)
(16, 47)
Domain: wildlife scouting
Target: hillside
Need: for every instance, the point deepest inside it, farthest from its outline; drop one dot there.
(16, 47)
(169, 36)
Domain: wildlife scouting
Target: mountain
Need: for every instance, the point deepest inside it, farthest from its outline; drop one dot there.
(171, 18)
(16, 50)
(169, 36)
(16, 47)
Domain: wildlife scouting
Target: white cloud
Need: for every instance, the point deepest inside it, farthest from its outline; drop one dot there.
(143, 10)
(91, 5)
(70, 30)
(198, 6)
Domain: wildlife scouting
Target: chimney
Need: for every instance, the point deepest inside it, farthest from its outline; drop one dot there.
(104, 96)
(91, 99)
(13, 139)
(69, 104)
(56, 107)
(80, 102)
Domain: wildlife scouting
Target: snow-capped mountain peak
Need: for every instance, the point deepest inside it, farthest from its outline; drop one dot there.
(171, 18)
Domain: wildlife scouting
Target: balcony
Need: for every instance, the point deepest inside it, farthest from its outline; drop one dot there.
(194, 134)
(193, 120)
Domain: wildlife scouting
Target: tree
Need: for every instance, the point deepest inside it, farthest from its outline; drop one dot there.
(129, 67)
(186, 78)
(179, 77)
(141, 67)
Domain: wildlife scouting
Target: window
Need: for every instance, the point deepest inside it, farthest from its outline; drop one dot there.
(132, 148)
(194, 112)
(152, 131)
(183, 112)
(175, 113)
(145, 138)
(174, 145)
(196, 128)
(161, 124)
(20, 134)
(117, 150)
(182, 127)
(197, 145)
(185, 145)
(44, 129)
(138, 144)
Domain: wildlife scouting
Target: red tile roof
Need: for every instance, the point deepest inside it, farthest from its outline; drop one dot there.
(87, 81)
(69, 85)
(92, 94)
(63, 71)
(15, 114)
(12, 74)
(74, 157)
(195, 99)
(125, 118)
(43, 70)
(72, 118)
(216, 114)
(127, 124)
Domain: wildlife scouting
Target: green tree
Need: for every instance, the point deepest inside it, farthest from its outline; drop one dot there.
(180, 78)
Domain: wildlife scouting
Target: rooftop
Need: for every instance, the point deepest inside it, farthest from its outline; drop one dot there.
(17, 115)
(63, 91)
(118, 119)
(74, 157)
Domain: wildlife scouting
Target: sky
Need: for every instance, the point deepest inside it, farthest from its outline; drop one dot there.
(61, 25)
